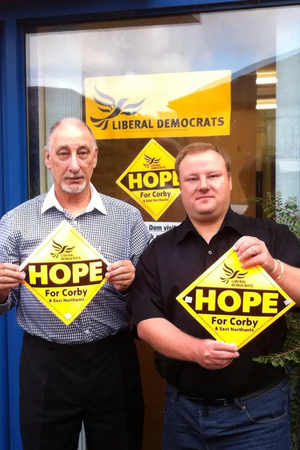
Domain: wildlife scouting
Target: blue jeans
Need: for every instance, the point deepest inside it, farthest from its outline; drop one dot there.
(260, 423)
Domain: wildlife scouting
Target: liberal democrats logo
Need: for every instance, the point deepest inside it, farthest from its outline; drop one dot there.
(231, 274)
(149, 160)
(108, 104)
(60, 249)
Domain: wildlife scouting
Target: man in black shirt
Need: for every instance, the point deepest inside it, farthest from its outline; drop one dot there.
(217, 397)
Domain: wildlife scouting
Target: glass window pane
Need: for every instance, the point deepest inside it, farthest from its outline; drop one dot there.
(261, 49)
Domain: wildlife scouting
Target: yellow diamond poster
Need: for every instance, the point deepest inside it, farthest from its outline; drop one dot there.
(151, 179)
(65, 272)
(159, 105)
(232, 303)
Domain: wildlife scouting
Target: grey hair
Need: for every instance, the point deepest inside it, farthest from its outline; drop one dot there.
(72, 120)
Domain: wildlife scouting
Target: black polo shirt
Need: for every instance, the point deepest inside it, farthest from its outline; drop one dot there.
(170, 264)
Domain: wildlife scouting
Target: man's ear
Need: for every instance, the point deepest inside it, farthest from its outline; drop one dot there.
(47, 159)
(95, 157)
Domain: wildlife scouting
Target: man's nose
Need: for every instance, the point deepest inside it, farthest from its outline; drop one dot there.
(74, 164)
(203, 183)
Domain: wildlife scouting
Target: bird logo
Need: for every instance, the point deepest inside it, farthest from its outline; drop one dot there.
(151, 160)
(59, 249)
(108, 104)
(232, 274)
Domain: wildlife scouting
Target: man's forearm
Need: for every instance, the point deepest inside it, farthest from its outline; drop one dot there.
(288, 278)
(167, 339)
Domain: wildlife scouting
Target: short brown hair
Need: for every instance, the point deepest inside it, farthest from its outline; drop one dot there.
(201, 147)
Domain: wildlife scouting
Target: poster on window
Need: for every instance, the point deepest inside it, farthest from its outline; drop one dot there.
(159, 105)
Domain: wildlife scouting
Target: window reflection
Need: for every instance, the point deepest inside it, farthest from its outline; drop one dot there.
(261, 49)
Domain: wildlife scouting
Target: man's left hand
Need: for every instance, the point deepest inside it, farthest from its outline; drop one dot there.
(121, 274)
(251, 252)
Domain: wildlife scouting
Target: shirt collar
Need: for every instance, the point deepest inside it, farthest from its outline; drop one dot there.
(95, 202)
(185, 228)
(231, 219)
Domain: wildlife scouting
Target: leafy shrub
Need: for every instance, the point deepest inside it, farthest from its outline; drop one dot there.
(287, 212)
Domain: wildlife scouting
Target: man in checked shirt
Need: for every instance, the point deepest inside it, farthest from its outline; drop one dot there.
(87, 371)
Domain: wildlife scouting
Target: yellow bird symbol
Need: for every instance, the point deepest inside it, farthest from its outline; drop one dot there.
(232, 274)
(151, 160)
(59, 249)
(109, 106)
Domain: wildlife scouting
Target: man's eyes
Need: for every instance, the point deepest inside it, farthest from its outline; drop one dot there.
(211, 176)
(62, 154)
(81, 154)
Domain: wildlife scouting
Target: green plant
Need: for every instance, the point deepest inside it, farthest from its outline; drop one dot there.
(287, 212)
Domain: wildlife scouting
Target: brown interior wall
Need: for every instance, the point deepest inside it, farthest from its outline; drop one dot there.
(153, 388)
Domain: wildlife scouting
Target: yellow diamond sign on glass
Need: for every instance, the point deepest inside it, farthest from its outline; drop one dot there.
(65, 272)
(151, 179)
(232, 303)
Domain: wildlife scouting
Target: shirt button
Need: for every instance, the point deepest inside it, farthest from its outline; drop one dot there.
(87, 331)
(75, 222)
(209, 252)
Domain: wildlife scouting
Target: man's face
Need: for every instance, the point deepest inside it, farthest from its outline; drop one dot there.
(205, 186)
(72, 159)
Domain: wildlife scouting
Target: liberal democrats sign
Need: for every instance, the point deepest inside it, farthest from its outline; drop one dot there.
(159, 105)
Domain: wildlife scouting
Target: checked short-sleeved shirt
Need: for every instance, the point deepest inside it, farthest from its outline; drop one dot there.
(111, 226)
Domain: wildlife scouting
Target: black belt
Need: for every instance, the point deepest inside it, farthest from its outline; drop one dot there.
(269, 384)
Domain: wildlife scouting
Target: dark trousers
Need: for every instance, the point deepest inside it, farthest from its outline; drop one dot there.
(97, 383)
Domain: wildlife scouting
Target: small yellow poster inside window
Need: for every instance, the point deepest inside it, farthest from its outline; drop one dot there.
(65, 272)
(232, 303)
(151, 179)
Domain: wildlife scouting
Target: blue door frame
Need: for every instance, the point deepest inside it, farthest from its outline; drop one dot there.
(14, 16)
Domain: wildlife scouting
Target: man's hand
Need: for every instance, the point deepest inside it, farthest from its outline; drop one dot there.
(121, 274)
(215, 355)
(251, 251)
(10, 276)
(169, 340)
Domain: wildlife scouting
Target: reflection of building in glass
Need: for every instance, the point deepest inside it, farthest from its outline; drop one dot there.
(256, 178)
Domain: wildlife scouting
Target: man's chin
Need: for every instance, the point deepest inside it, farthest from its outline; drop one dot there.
(205, 211)
(73, 189)
(205, 215)
(209, 215)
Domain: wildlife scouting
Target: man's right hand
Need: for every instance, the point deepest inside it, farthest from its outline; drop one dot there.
(10, 276)
(213, 355)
